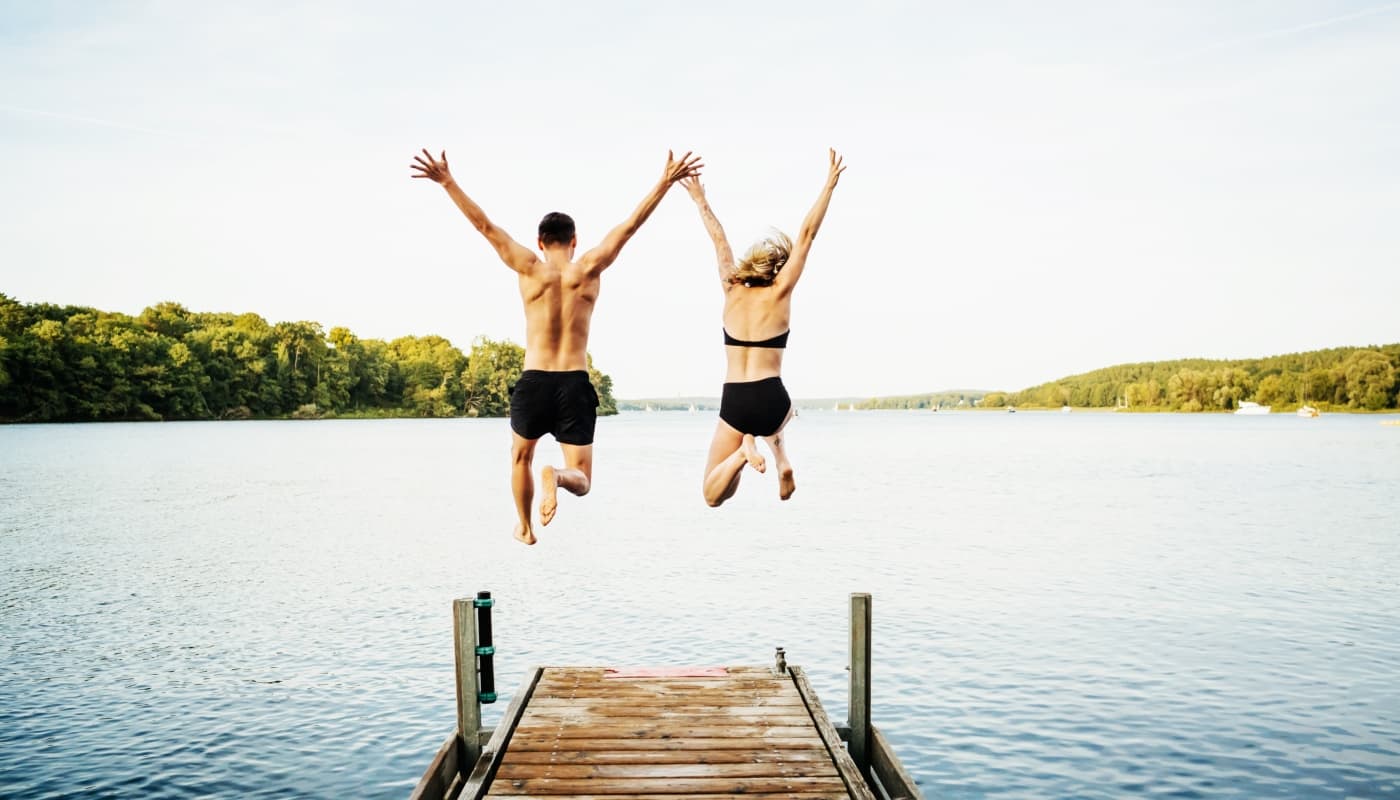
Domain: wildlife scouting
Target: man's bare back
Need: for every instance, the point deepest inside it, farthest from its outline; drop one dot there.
(559, 292)
(559, 297)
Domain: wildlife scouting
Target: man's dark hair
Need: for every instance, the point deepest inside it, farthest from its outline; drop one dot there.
(556, 228)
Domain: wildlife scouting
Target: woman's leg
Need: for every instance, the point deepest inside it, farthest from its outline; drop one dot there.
(786, 484)
(729, 451)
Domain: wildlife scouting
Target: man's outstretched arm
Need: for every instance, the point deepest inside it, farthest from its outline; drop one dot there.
(515, 255)
(606, 252)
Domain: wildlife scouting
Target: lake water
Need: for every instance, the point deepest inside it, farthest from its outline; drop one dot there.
(1078, 605)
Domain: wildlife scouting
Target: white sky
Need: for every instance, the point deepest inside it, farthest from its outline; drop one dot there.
(1034, 189)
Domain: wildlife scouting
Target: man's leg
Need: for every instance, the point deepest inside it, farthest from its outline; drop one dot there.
(522, 484)
(576, 477)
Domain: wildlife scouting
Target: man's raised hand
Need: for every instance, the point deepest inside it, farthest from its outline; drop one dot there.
(434, 169)
(684, 167)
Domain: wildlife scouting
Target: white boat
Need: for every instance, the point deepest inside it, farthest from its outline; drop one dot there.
(1249, 408)
(1065, 409)
(1309, 411)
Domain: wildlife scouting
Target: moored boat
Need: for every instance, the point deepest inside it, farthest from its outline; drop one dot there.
(1249, 408)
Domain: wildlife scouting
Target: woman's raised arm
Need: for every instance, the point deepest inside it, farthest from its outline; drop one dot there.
(723, 254)
(792, 270)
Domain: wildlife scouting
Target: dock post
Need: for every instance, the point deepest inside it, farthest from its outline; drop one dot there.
(468, 701)
(485, 649)
(858, 714)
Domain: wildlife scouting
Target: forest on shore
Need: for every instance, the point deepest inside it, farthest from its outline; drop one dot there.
(1337, 379)
(72, 363)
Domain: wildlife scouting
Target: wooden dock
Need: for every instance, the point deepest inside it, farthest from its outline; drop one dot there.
(603, 733)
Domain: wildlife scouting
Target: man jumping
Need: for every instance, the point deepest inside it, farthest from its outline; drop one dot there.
(554, 394)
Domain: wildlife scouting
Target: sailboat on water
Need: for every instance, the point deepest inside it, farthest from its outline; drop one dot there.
(1306, 410)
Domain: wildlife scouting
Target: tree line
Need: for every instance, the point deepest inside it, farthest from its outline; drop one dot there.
(964, 398)
(1343, 378)
(72, 363)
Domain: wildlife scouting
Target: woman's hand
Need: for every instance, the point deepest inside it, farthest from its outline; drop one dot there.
(693, 186)
(837, 167)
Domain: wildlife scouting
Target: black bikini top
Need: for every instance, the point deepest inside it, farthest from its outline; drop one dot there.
(779, 341)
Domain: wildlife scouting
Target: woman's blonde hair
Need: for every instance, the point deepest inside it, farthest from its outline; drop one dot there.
(761, 264)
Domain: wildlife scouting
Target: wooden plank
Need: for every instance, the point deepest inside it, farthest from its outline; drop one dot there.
(556, 674)
(568, 719)
(898, 783)
(512, 770)
(479, 778)
(574, 757)
(669, 786)
(531, 727)
(749, 796)
(604, 683)
(659, 690)
(778, 705)
(850, 774)
(600, 672)
(441, 774)
(662, 688)
(639, 684)
(548, 743)
(666, 698)
(623, 683)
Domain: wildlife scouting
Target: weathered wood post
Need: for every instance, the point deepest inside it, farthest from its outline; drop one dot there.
(468, 702)
(858, 714)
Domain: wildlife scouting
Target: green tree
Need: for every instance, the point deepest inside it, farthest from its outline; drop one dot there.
(1370, 377)
(1270, 391)
(492, 368)
(602, 384)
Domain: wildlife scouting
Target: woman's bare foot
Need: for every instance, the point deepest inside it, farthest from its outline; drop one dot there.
(751, 454)
(786, 484)
(549, 501)
(524, 534)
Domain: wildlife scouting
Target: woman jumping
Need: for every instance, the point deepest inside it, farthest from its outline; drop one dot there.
(757, 310)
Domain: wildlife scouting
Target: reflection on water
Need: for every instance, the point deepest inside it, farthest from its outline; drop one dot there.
(1088, 605)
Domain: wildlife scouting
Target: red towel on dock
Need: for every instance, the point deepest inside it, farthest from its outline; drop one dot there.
(666, 672)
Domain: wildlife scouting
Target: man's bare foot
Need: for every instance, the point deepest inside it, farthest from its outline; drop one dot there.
(786, 484)
(549, 501)
(751, 454)
(524, 534)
